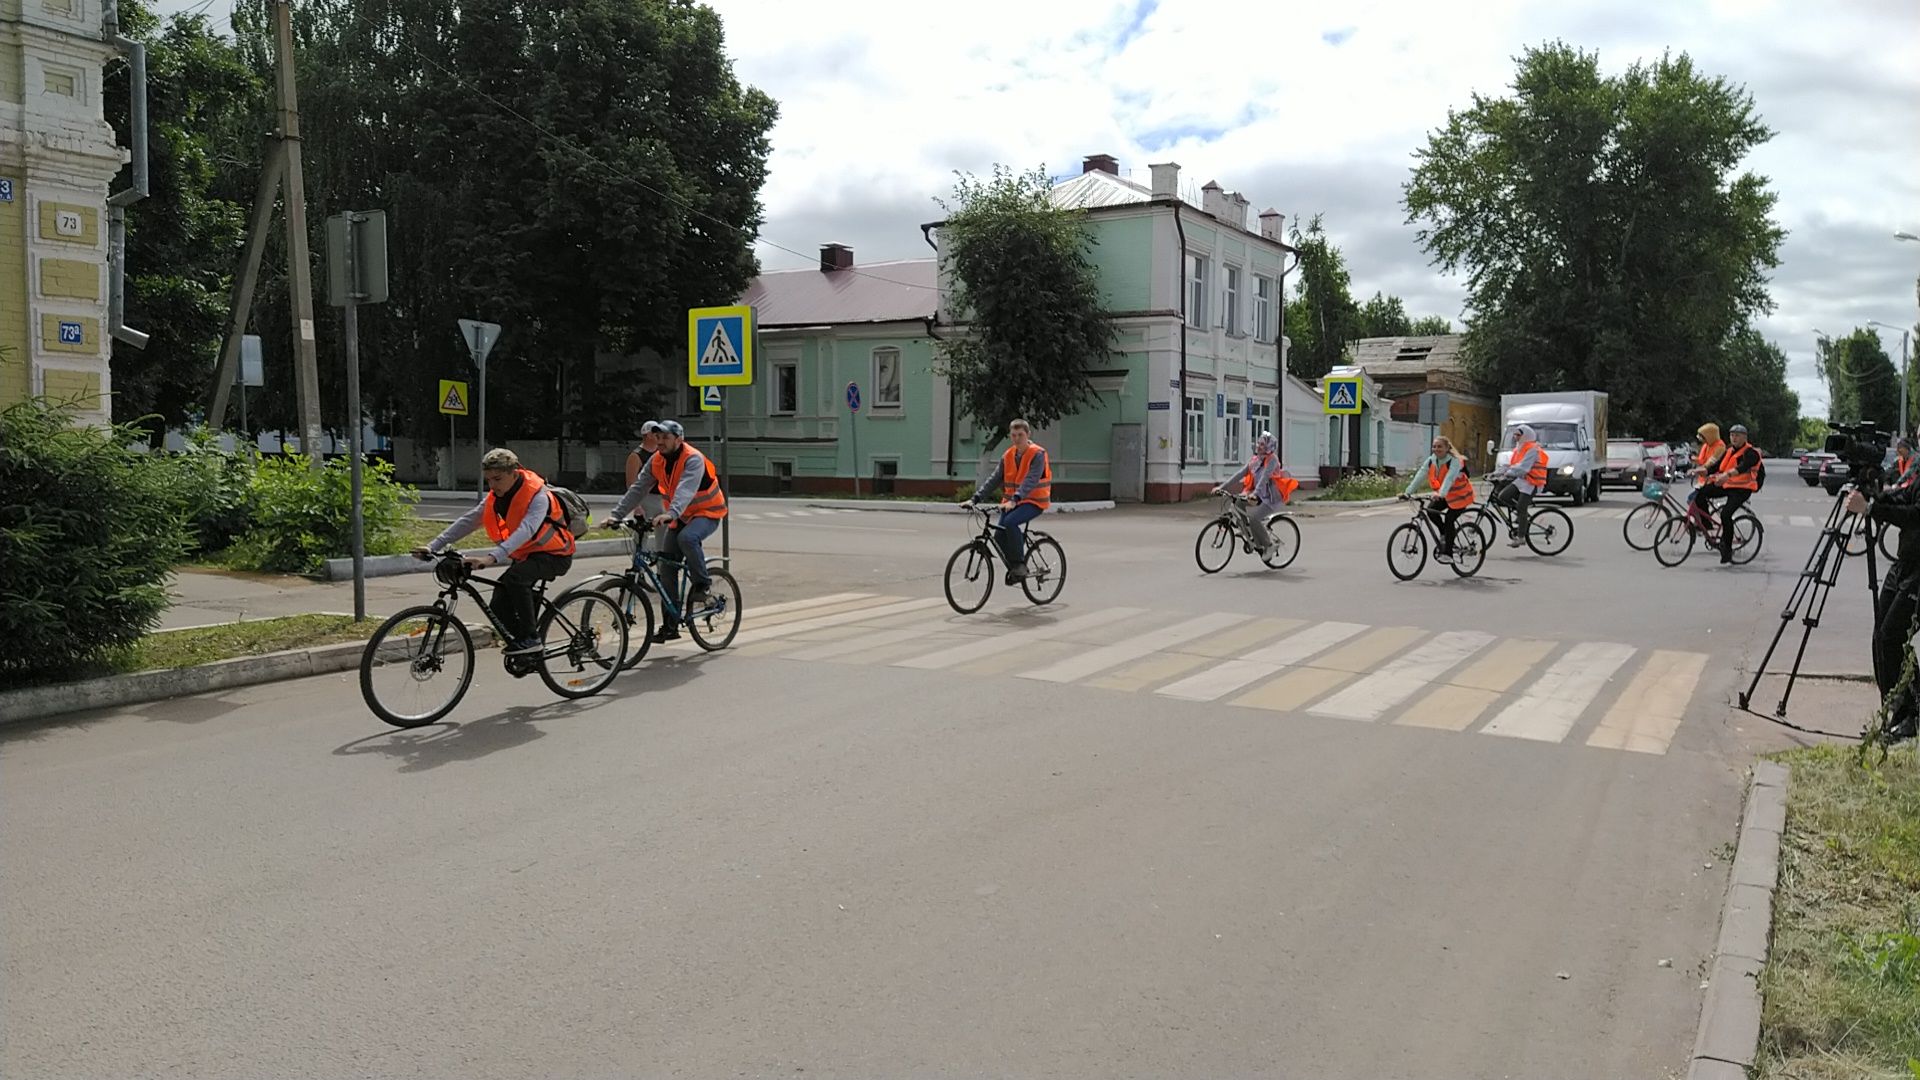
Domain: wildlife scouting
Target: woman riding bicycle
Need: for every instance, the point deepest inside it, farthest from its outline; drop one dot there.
(1445, 473)
(1268, 483)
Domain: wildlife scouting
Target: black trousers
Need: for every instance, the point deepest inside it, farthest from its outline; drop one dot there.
(1511, 495)
(1893, 642)
(1736, 498)
(513, 596)
(1446, 519)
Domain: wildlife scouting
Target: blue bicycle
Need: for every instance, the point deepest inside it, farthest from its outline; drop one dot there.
(713, 625)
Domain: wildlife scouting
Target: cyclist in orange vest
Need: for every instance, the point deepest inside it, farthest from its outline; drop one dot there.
(1445, 474)
(1525, 477)
(528, 528)
(1026, 476)
(1904, 472)
(686, 481)
(1735, 480)
(1264, 478)
(1706, 462)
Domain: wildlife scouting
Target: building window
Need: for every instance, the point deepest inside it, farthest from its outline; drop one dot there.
(886, 378)
(1231, 317)
(786, 389)
(1196, 428)
(1259, 417)
(1197, 291)
(1262, 308)
(1232, 435)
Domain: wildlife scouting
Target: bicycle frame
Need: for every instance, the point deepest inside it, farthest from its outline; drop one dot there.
(645, 565)
(449, 600)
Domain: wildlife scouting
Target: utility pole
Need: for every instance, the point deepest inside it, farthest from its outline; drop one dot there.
(280, 169)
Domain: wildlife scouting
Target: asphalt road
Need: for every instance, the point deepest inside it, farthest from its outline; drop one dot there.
(1313, 822)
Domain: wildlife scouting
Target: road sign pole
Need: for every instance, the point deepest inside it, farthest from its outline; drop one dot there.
(720, 418)
(453, 459)
(353, 433)
(482, 437)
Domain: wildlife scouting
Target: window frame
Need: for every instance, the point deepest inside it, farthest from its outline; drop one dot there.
(1196, 286)
(1263, 307)
(790, 369)
(1194, 417)
(899, 378)
(1231, 278)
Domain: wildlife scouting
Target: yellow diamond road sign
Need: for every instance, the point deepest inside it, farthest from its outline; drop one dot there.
(453, 397)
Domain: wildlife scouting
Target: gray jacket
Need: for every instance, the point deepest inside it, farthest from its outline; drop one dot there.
(1035, 470)
(689, 486)
(538, 508)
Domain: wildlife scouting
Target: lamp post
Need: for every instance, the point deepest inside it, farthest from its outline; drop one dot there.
(1902, 429)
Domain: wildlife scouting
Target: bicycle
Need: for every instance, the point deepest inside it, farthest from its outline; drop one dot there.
(1549, 529)
(420, 644)
(1677, 535)
(1046, 565)
(1410, 543)
(712, 627)
(1643, 524)
(1217, 536)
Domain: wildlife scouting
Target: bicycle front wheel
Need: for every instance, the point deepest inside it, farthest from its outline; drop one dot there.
(1855, 544)
(416, 667)
(1747, 535)
(1549, 531)
(1643, 524)
(969, 579)
(1407, 551)
(637, 612)
(1469, 551)
(714, 625)
(1286, 543)
(582, 640)
(1046, 568)
(1214, 547)
(1674, 542)
(1889, 541)
(1485, 520)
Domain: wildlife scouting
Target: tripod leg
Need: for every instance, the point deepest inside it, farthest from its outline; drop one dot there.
(1809, 591)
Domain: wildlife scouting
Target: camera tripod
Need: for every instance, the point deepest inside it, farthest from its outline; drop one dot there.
(1809, 599)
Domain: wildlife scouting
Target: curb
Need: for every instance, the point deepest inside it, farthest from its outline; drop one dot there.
(140, 687)
(1351, 504)
(1729, 1031)
(392, 565)
(905, 507)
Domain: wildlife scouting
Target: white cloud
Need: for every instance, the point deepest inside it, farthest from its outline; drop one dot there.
(882, 101)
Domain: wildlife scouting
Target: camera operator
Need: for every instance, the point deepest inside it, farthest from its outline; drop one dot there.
(1899, 597)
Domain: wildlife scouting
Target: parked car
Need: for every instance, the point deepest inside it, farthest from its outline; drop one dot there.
(1834, 472)
(1626, 464)
(1659, 461)
(1810, 464)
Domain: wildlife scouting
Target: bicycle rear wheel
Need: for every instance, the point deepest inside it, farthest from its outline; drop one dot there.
(1286, 543)
(969, 578)
(1747, 536)
(1484, 519)
(1643, 524)
(714, 625)
(1046, 568)
(582, 640)
(1469, 551)
(637, 612)
(416, 667)
(1213, 549)
(1674, 542)
(1407, 551)
(1549, 531)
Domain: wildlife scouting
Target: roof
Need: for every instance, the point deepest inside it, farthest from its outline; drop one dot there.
(1095, 188)
(1390, 355)
(900, 291)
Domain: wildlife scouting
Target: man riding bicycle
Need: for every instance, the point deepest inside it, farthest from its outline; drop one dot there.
(1268, 483)
(694, 508)
(1735, 479)
(528, 527)
(1525, 477)
(1445, 473)
(1027, 478)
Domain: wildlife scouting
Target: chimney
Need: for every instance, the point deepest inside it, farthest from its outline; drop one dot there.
(1166, 180)
(835, 257)
(1237, 210)
(1213, 199)
(1105, 163)
(1273, 225)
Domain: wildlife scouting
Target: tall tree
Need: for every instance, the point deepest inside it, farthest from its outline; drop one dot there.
(1430, 325)
(1322, 317)
(1607, 238)
(1034, 325)
(1868, 374)
(1384, 316)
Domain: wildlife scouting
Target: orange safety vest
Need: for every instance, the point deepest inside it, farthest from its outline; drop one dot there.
(1905, 464)
(1738, 481)
(1537, 475)
(550, 538)
(1460, 495)
(1013, 473)
(1709, 455)
(1285, 485)
(708, 502)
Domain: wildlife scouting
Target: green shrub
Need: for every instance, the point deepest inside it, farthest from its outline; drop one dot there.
(90, 529)
(218, 487)
(302, 516)
(1355, 487)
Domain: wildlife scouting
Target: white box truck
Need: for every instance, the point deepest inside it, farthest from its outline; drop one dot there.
(1572, 427)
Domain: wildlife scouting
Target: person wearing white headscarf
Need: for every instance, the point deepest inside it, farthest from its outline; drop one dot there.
(1525, 477)
(1263, 479)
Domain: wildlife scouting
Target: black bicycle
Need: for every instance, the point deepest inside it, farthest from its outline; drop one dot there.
(418, 665)
(1234, 529)
(1549, 529)
(1407, 545)
(712, 625)
(970, 569)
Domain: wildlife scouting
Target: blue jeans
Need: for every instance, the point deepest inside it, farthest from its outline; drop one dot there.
(1013, 533)
(688, 536)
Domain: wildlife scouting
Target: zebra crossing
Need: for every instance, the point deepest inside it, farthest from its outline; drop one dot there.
(809, 511)
(1604, 695)
(1602, 513)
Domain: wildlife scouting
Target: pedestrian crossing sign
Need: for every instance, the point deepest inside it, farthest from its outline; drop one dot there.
(1340, 396)
(453, 397)
(720, 346)
(709, 399)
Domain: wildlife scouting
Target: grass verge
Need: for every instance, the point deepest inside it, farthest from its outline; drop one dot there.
(1842, 985)
(1359, 487)
(205, 644)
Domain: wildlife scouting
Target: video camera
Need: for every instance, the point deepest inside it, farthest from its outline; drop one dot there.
(1863, 446)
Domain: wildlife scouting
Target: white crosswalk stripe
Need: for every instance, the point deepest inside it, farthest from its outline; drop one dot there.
(1553, 704)
(1016, 639)
(1261, 663)
(1802, 521)
(1108, 656)
(1405, 677)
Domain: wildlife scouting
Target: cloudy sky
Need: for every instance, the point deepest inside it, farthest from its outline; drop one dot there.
(1317, 108)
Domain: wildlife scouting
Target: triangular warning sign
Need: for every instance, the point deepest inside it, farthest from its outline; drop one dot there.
(452, 403)
(1342, 395)
(719, 350)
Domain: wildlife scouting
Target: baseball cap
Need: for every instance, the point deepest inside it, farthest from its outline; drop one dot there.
(500, 459)
(671, 427)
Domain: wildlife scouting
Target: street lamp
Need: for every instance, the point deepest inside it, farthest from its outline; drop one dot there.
(1901, 431)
